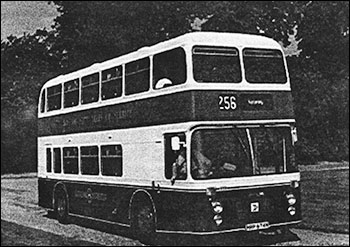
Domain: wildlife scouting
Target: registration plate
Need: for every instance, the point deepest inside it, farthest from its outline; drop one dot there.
(257, 226)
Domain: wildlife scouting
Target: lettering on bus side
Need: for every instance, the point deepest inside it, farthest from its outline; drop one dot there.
(103, 118)
(89, 195)
(256, 102)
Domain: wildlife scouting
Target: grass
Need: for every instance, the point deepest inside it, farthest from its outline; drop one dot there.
(325, 200)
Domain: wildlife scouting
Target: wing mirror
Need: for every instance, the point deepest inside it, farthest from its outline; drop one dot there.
(176, 143)
(294, 134)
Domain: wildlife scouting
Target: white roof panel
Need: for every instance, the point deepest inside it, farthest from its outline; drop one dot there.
(200, 38)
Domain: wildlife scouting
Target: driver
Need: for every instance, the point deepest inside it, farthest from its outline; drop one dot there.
(179, 166)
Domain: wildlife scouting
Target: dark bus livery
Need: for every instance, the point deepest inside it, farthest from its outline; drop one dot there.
(193, 135)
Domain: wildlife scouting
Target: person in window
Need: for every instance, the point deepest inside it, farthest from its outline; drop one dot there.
(202, 166)
(179, 166)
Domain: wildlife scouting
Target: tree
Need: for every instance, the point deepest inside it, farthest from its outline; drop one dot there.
(89, 32)
(25, 65)
(320, 80)
(93, 31)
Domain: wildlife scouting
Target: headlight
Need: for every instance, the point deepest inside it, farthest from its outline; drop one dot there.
(291, 199)
(217, 207)
(291, 210)
(218, 220)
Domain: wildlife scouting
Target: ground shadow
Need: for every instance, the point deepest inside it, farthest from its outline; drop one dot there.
(227, 239)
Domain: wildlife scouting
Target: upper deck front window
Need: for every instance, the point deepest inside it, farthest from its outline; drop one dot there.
(216, 64)
(264, 66)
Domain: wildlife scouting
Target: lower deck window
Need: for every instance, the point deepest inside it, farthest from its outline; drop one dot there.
(89, 160)
(48, 160)
(57, 160)
(111, 160)
(175, 160)
(70, 160)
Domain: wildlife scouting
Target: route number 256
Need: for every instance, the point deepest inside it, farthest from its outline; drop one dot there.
(227, 102)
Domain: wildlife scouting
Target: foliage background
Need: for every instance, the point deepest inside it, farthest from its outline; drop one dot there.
(87, 32)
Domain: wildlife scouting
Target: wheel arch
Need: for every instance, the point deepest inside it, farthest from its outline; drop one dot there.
(141, 194)
(57, 186)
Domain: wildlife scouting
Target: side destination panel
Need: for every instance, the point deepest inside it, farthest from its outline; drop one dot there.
(173, 108)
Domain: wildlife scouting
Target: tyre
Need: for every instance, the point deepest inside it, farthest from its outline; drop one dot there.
(283, 231)
(61, 206)
(143, 221)
(250, 238)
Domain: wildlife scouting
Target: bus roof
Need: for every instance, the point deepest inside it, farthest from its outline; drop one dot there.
(200, 38)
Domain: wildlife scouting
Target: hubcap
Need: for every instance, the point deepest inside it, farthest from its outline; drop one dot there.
(61, 205)
(145, 220)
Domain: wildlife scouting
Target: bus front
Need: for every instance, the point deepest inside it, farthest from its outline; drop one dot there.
(250, 175)
(242, 146)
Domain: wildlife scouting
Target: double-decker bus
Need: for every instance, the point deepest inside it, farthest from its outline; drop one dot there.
(193, 135)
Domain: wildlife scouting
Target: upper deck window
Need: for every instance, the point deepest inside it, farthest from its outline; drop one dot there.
(264, 66)
(43, 101)
(90, 88)
(71, 93)
(169, 68)
(216, 64)
(112, 83)
(54, 97)
(137, 76)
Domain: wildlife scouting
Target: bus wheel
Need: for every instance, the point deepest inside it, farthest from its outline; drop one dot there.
(283, 231)
(61, 206)
(143, 221)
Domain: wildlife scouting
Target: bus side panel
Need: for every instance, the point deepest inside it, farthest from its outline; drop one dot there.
(175, 210)
(170, 109)
(45, 190)
(106, 202)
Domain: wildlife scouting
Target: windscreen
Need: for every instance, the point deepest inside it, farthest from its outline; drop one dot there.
(237, 152)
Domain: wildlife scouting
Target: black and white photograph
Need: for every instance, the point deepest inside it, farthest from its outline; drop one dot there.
(174, 123)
